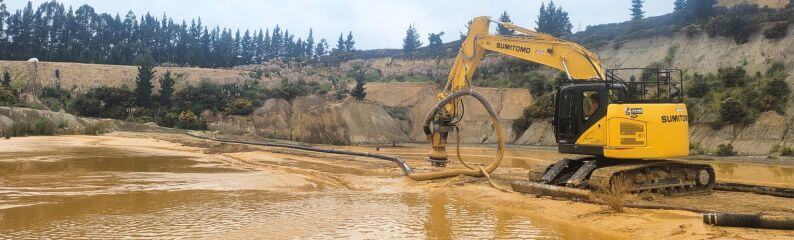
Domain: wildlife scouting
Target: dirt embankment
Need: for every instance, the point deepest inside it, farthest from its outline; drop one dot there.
(391, 113)
(26, 121)
(84, 76)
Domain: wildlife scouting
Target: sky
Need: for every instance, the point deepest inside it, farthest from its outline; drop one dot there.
(374, 23)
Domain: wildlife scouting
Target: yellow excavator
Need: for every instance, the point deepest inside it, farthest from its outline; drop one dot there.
(617, 127)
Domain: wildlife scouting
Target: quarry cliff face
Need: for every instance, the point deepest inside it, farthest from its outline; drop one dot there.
(391, 113)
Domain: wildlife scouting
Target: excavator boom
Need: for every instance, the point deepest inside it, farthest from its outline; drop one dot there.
(569, 57)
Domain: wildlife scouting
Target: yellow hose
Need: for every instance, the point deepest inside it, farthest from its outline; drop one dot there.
(500, 144)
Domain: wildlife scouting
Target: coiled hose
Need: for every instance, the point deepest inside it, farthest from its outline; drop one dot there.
(500, 144)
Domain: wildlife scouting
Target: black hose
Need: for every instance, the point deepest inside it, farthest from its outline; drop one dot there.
(400, 163)
(748, 220)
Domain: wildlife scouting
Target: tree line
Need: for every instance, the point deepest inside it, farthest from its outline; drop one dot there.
(53, 32)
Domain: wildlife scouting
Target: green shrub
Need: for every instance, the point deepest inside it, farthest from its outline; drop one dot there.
(777, 70)
(724, 150)
(290, 89)
(777, 31)
(7, 97)
(189, 120)
(736, 22)
(240, 107)
(775, 95)
(691, 30)
(732, 76)
(19, 129)
(104, 102)
(96, 128)
(169, 120)
(42, 127)
(732, 111)
(541, 109)
(699, 87)
(538, 86)
(786, 151)
(341, 93)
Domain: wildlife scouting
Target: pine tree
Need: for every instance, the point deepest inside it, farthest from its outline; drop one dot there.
(321, 49)
(434, 42)
(505, 19)
(53, 32)
(266, 52)
(246, 49)
(554, 21)
(680, 5)
(3, 38)
(349, 42)
(276, 42)
(411, 41)
(340, 45)
(143, 84)
(166, 89)
(636, 9)
(359, 92)
(6, 79)
(309, 46)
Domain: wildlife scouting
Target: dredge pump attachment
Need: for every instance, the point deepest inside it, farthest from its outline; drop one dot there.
(444, 116)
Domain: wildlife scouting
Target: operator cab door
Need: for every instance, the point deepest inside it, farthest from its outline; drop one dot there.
(578, 107)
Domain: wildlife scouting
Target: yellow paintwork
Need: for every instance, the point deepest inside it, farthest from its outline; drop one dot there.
(645, 135)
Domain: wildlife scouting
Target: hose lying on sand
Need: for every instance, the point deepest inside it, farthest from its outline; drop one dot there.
(409, 172)
(748, 220)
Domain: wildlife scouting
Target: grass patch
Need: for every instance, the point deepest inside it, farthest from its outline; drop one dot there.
(96, 128)
(614, 196)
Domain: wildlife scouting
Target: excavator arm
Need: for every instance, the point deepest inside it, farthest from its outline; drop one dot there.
(576, 61)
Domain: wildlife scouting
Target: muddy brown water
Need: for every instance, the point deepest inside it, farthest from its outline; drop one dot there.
(109, 192)
(83, 189)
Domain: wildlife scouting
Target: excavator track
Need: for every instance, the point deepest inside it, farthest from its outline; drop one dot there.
(660, 176)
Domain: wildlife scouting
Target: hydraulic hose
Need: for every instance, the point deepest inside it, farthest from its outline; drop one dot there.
(497, 127)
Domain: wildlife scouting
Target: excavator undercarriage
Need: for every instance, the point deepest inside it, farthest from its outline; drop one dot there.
(659, 176)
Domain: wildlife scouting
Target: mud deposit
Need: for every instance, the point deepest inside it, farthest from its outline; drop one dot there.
(110, 187)
(133, 185)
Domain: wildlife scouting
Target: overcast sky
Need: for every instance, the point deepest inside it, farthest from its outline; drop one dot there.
(375, 23)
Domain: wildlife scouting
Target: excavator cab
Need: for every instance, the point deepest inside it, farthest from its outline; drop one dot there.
(579, 107)
(637, 119)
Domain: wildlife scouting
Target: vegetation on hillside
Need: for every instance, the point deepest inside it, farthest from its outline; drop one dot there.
(732, 96)
(692, 18)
